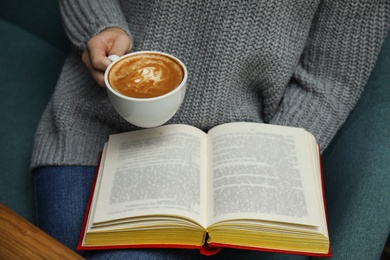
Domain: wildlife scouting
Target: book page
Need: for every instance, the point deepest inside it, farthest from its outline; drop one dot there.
(92, 206)
(154, 172)
(262, 171)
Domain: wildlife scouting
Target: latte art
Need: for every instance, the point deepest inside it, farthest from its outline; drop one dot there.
(149, 74)
(145, 75)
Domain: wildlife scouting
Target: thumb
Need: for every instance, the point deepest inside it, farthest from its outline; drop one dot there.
(121, 45)
(110, 41)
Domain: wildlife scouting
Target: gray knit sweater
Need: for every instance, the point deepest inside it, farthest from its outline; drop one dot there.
(297, 63)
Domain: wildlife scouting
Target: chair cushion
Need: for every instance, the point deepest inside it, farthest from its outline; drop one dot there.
(40, 17)
(377, 91)
(29, 70)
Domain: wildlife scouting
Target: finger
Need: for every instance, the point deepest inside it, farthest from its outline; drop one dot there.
(98, 50)
(121, 45)
(99, 78)
(96, 74)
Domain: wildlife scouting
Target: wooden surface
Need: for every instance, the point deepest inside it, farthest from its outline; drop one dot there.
(19, 239)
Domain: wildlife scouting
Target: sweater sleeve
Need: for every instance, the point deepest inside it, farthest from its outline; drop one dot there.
(84, 19)
(341, 50)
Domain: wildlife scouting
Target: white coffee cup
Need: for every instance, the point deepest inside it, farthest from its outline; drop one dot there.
(147, 112)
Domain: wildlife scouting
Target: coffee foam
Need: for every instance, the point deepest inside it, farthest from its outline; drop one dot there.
(145, 75)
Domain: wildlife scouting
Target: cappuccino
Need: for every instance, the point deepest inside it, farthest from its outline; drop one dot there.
(145, 75)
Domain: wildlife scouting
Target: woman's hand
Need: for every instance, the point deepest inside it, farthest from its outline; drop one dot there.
(110, 41)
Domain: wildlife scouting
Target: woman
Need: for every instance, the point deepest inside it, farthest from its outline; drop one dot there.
(296, 63)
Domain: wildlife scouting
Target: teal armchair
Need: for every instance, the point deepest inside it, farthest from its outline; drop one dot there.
(33, 47)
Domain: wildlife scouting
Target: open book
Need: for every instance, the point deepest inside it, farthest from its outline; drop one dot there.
(242, 185)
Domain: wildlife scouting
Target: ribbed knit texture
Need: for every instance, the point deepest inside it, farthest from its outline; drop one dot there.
(296, 63)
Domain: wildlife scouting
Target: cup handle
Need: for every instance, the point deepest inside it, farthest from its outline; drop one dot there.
(113, 57)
